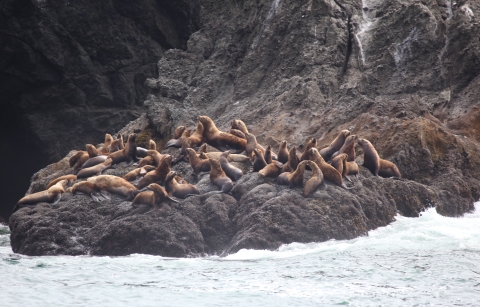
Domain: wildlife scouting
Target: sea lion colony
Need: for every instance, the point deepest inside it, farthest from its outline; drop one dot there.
(143, 185)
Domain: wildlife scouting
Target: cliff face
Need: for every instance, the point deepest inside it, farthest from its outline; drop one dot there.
(70, 71)
(403, 74)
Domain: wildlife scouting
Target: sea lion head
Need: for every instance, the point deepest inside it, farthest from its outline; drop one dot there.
(225, 154)
(170, 176)
(345, 133)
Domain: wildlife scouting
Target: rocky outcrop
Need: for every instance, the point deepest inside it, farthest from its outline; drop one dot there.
(403, 74)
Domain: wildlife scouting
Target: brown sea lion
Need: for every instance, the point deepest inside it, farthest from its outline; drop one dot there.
(238, 124)
(232, 172)
(113, 184)
(148, 160)
(259, 162)
(193, 141)
(231, 158)
(157, 157)
(52, 194)
(117, 144)
(283, 152)
(251, 145)
(221, 140)
(293, 179)
(154, 197)
(271, 170)
(343, 166)
(173, 188)
(328, 171)
(376, 165)
(268, 154)
(106, 144)
(348, 148)
(312, 143)
(238, 133)
(138, 172)
(78, 159)
(315, 181)
(88, 188)
(292, 162)
(219, 178)
(198, 164)
(93, 151)
(70, 178)
(128, 153)
(327, 152)
(157, 175)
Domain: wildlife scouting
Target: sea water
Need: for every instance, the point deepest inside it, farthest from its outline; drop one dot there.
(427, 261)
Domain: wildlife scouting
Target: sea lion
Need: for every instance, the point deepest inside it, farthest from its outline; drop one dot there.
(138, 172)
(292, 162)
(376, 165)
(106, 144)
(312, 143)
(251, 145)
(327, 152)
(221, 140)
(142, 152)
(153, 197)
(113, 184)
(198, 164)
(283, 152)
(271, 170)
(194, 140)
(339, 163)
(78, 159)
(157, 175)
(180, 133)
(128, 153)
(88, 188)
(70, 178)
(293, 179)
(173, 188)
(148, 160)
(238, 133)
(348, 148)
(202, 148)
(328, 171)
(52, 194)
(231, 158)
(315, 181)
(238, 124)
(232, 172)
(219, 178)
(259, 162)
(93, 151)
(95, 170)
(343, 166)
(94, 161)
(268, 154)
(157, 157)
(117, 144)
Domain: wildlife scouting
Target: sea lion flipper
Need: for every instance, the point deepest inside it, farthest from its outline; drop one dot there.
(323, 186)
(57, 198)
(173, 199)
(105, 194)
(346, 177)
(345, 187)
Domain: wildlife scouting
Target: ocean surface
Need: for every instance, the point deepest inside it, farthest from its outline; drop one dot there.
(427, 261)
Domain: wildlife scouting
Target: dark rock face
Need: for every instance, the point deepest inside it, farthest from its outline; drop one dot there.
(71, 71)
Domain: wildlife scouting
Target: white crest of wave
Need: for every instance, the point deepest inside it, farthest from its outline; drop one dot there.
(430, 231)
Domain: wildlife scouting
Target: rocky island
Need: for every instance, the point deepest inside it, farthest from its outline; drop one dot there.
(402, 74)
